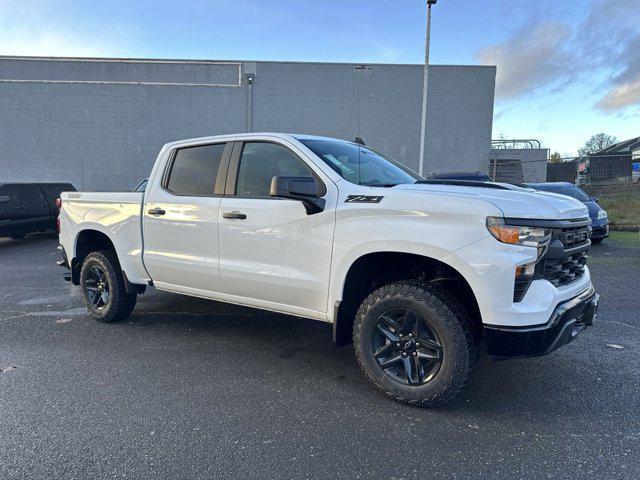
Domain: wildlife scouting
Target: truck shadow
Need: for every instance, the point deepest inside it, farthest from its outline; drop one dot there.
(302, 350)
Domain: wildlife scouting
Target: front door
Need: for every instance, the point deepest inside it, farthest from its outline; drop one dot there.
(33, 208)
(272, 253)
(181, 221)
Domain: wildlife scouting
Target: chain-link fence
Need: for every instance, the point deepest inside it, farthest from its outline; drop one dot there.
(605, 169)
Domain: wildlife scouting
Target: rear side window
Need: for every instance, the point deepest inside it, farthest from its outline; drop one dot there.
(28, 193)
(194, 170)
(260, 162)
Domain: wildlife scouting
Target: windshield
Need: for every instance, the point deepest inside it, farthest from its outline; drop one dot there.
(360, 165)
(568, 190)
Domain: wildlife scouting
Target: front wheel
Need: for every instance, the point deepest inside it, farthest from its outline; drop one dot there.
(414, 343)
(103, 287)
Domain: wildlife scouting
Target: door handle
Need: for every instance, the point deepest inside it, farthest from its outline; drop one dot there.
(156, 211)
(236, 215)
(19, 208)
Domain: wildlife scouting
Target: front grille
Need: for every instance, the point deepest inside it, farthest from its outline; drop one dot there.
(566, 256)
(570, 237)
(565, 270)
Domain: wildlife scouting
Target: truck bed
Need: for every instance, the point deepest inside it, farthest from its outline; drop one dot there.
(115, 214)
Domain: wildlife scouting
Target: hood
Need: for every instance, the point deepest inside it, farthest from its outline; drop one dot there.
(514, 203)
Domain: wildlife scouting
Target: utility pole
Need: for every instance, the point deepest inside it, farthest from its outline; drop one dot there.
(425, 86)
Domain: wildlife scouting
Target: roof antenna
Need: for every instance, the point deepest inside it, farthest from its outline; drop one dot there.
(360, 141)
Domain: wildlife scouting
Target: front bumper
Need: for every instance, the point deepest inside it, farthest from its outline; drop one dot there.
(567, 320)
(600, 231)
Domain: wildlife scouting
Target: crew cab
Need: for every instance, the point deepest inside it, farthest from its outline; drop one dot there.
(420, 275)
(29, 207)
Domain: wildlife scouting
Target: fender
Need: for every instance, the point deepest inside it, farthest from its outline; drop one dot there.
(344, 264)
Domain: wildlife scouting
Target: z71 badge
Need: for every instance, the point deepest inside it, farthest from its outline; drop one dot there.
(363, 199)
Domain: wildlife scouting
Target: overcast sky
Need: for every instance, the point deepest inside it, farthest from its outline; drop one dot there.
(566, 69)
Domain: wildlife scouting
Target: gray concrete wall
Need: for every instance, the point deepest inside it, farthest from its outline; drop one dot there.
(99, 123)
(533, 160)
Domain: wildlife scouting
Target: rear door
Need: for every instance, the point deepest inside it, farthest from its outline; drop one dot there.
(180, 220)
(272, 253)
(33, 208)
(9, 213)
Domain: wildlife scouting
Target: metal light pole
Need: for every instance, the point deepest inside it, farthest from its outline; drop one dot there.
(424, 85)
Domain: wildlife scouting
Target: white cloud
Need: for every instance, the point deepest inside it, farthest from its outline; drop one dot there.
(623, 90)
(32, 27)
(553, 55)
(620, 96)
(533, 57)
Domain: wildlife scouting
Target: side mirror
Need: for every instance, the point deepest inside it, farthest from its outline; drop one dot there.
(5, 199)
(304, 189)
(595, 199)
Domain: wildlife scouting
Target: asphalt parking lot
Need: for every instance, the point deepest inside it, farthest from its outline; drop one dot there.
(189, 388)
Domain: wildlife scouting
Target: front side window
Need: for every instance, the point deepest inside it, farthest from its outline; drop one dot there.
(28, 193)
(194, 170)
(360, 165)
(260, 162)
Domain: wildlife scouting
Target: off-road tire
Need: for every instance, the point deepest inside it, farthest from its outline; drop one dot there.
(460, 341)
(120, 303)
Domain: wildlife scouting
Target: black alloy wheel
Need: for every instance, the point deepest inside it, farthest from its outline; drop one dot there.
(406, 348)
(103, 287)
(415, 342)
(96, 284)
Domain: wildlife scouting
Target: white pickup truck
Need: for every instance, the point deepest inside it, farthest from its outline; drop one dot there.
(421, 275)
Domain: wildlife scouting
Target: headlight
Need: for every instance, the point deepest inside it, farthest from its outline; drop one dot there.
(537, 237)
(518, 235)
(602, 214)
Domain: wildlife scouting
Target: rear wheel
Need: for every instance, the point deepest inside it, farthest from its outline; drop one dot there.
(414, 343)
(103, 287)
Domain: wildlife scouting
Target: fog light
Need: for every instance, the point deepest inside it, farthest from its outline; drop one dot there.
(524, 275)
(526, 270)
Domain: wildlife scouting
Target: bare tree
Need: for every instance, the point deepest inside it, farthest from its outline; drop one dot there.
(596, 143)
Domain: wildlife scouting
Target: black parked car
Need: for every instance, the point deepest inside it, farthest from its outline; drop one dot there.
(29, 207)
(599, 217)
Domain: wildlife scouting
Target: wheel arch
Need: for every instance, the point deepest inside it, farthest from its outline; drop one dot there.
(374, 269)
(90, 240)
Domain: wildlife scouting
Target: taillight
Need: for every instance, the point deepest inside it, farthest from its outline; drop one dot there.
(58, 206)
